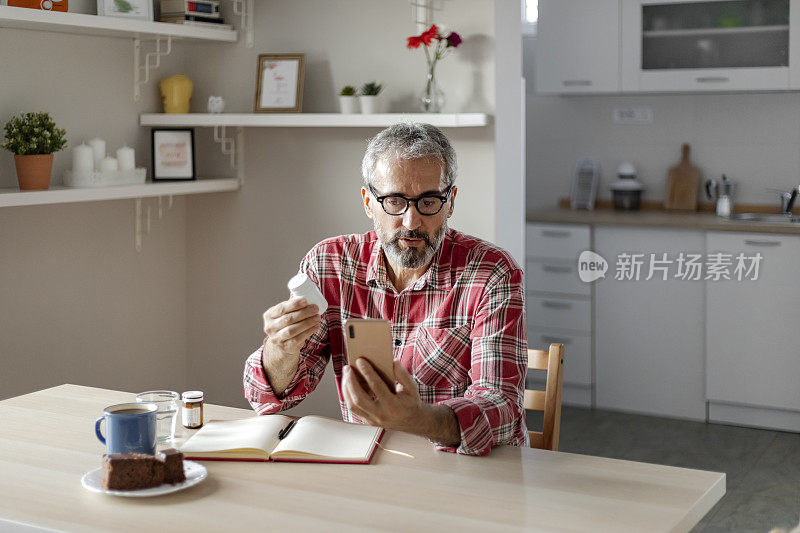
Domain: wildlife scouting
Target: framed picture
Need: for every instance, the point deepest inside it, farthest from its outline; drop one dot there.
(279, 84)
(129, 9)
(173, 154)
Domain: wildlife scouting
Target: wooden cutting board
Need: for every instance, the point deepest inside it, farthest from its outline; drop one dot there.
(683, 182)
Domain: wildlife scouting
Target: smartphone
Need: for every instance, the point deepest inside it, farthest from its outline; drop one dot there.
(372, 340)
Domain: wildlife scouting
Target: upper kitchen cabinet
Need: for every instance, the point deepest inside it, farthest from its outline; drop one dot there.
(577, 46)
(713, 45)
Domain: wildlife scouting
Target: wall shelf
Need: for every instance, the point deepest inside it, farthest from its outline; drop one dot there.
(309, 120)
(79, 23)
(60, 195)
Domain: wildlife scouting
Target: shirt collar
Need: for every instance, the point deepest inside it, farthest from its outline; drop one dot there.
(438, 275)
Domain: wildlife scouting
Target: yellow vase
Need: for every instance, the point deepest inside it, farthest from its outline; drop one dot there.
(176, 92)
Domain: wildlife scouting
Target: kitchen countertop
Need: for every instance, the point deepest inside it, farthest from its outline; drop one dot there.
(656, 219)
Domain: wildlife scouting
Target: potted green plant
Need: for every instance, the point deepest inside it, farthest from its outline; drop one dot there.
(348, 99)
(369, 97)
(33, 138)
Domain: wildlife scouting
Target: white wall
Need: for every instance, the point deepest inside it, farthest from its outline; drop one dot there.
(752, 138)
(302, 185)
(81, 306)
(78, 303)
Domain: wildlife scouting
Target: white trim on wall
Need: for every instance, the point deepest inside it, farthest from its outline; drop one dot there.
(509, 146)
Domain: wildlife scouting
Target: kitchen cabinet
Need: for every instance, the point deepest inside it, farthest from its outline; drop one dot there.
(648, 336)
(753, 360)
(710, 45)
(577, 46)
(559, 304)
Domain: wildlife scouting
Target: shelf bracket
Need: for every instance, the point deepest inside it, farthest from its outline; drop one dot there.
(227, 144)
(244, 8)
(152, 60)
(142, 224)
(240, 154)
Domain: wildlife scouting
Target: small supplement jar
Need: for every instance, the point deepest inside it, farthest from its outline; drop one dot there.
(192, 411)
(301, 286)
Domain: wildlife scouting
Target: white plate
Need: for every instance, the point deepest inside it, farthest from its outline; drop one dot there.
(195, 473)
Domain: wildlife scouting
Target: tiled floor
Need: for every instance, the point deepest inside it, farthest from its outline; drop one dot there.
(762, 467)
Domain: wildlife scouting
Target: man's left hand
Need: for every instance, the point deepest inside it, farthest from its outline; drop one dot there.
(399, 409)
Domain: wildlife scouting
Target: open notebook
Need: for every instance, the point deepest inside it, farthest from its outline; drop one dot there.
(311, 439)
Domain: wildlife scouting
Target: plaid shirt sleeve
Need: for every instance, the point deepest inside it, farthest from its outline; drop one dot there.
(489, 412)
(313, 358)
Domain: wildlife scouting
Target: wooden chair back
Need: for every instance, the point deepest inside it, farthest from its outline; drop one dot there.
(548, 400)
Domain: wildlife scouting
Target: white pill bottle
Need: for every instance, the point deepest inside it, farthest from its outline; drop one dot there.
(301, 286)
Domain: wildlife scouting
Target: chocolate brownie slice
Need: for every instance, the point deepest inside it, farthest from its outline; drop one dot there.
(130, 471)
(173, 466)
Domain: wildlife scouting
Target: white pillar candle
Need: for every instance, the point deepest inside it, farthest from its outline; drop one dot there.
(109, 164)
(82, 158)
(125, 156)
(99, 149)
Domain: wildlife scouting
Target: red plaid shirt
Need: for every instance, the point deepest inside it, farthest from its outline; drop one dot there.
(459, 330)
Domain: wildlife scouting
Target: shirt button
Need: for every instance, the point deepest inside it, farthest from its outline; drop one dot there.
(398, 342)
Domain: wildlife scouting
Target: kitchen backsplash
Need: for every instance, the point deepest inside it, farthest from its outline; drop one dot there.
(754, 139)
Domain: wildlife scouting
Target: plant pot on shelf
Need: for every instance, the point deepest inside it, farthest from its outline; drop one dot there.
(33, 171)
(369, 104)
(348, 104)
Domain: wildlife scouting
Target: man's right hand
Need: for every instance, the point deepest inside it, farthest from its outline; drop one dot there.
(287, 326)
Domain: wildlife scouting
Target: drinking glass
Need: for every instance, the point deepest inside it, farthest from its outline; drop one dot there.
(168, 403)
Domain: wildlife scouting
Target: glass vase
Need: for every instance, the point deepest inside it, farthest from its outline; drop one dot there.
(432, 98)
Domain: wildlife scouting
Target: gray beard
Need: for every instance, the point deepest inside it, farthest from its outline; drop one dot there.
(410, 257)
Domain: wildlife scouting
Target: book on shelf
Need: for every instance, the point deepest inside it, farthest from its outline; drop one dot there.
(203, 24)
(309, 439)
(218, 25)
(194, 18)
(208, 8)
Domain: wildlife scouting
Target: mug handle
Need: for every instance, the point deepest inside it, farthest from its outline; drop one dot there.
(97, 429)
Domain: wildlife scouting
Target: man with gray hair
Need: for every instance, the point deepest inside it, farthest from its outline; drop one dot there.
(455, 304)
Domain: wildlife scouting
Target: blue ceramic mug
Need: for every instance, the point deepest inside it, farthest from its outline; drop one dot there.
(130, 428)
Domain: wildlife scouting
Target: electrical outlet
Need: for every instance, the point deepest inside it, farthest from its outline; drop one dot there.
(633, 115)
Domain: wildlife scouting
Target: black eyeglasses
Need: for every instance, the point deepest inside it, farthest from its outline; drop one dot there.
(397, 204)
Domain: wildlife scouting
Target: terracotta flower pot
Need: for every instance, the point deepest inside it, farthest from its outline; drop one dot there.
(33, 171)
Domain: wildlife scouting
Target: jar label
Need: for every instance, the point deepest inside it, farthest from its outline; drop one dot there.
(191, 417)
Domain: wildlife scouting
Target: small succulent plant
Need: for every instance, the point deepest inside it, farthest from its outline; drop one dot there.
(348, 90)
(372, 88)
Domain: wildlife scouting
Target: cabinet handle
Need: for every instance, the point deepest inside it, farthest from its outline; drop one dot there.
(577, 83)
(557, 269)
(546, 339)
(712, 79)
(559, 233)
(556, 305)
(751, 242)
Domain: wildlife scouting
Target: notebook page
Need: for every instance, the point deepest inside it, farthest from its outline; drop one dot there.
(326, 437)
(260, 432)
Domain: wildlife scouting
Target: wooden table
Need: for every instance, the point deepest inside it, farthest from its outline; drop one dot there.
(47, 442)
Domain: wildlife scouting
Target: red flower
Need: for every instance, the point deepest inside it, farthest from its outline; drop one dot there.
(414, 42)
(425, 37)
(453, 39)
(429, 35)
